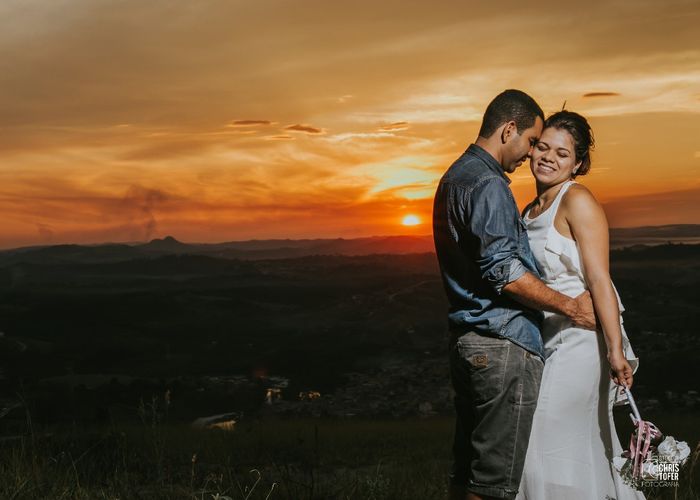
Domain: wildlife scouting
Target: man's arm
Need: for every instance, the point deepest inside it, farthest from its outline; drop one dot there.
(491, 221)
(530, 291)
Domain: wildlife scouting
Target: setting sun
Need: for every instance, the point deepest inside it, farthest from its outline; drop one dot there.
(410, 220)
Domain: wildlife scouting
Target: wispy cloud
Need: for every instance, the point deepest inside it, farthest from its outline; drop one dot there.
(308, 129)
(601, 94)
(396, 126)
(347, 136)
(249, 123)
(282, 137)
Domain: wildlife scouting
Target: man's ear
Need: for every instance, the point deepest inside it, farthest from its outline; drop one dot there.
(508, 131)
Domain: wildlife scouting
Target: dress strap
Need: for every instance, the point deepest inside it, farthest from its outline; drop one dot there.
(555, 205)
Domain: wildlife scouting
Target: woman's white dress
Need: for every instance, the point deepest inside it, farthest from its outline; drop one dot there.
(573, 435)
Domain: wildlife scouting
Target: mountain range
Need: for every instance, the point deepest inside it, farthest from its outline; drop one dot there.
(289, 248)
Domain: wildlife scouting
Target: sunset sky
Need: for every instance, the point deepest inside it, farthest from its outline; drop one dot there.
(231, 120)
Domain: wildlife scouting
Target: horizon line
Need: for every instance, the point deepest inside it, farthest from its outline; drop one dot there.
(145, 242)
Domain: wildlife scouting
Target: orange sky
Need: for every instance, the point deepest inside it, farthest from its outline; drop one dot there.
(230, 120)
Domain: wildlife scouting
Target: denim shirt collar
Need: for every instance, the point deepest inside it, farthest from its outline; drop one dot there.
(489, 160)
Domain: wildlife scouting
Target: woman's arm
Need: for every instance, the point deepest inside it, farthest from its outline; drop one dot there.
(589, 227)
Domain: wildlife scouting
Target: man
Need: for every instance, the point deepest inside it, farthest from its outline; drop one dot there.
(496, 299)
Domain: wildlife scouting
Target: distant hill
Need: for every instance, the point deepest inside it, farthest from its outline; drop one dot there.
(287, 248)
(654, 235)
(166, 245)
(244, 250)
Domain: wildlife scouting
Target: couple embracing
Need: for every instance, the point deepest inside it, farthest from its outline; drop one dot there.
(534, 376)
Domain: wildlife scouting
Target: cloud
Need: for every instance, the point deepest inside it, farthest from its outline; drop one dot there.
(285, 189)
(303, 55)
(396, 126)
(360, 135)
(279, 138)
(601, 94)
(169, 149)
(249, 123)
(308, 129)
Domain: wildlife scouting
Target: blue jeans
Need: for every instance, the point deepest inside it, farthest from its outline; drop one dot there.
(496, 385)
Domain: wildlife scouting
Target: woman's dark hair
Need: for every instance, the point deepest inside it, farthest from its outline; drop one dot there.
(510, 105)
(580, 131)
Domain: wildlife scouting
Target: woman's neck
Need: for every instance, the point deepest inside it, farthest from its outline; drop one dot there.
(547, 193)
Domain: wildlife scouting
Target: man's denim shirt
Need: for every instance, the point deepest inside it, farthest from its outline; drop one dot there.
(481, 243)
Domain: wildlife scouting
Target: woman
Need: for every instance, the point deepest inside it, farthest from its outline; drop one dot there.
(573, 436)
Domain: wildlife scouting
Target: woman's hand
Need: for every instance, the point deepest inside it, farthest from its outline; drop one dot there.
(620, 369)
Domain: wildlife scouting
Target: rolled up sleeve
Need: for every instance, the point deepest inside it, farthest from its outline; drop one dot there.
(492, 222)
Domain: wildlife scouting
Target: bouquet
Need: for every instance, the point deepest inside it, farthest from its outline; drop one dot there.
(651, 457)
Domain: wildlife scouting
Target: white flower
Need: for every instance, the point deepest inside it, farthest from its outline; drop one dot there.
(671, 451)
(650, 470)
(619, 463)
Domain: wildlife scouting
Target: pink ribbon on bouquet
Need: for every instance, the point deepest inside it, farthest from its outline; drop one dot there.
(640, 441)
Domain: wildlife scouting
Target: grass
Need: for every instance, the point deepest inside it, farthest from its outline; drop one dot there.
(265, 459)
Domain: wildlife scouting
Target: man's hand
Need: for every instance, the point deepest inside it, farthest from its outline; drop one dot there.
(620, 369)
(582, 313)
(532, 292)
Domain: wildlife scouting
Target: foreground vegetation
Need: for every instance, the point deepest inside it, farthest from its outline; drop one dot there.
(84, 341)
(264, 459)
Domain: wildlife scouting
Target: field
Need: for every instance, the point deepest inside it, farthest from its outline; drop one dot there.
(332, 367)
(264, 459)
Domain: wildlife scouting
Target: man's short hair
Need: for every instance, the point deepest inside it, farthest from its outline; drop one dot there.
(509, 105)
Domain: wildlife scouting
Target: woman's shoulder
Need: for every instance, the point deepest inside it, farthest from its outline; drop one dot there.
(580, 207)
(578, 196)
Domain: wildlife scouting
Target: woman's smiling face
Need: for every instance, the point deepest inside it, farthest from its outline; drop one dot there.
(553, 158)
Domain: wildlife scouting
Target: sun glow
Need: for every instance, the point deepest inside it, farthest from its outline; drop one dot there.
(410, 220)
